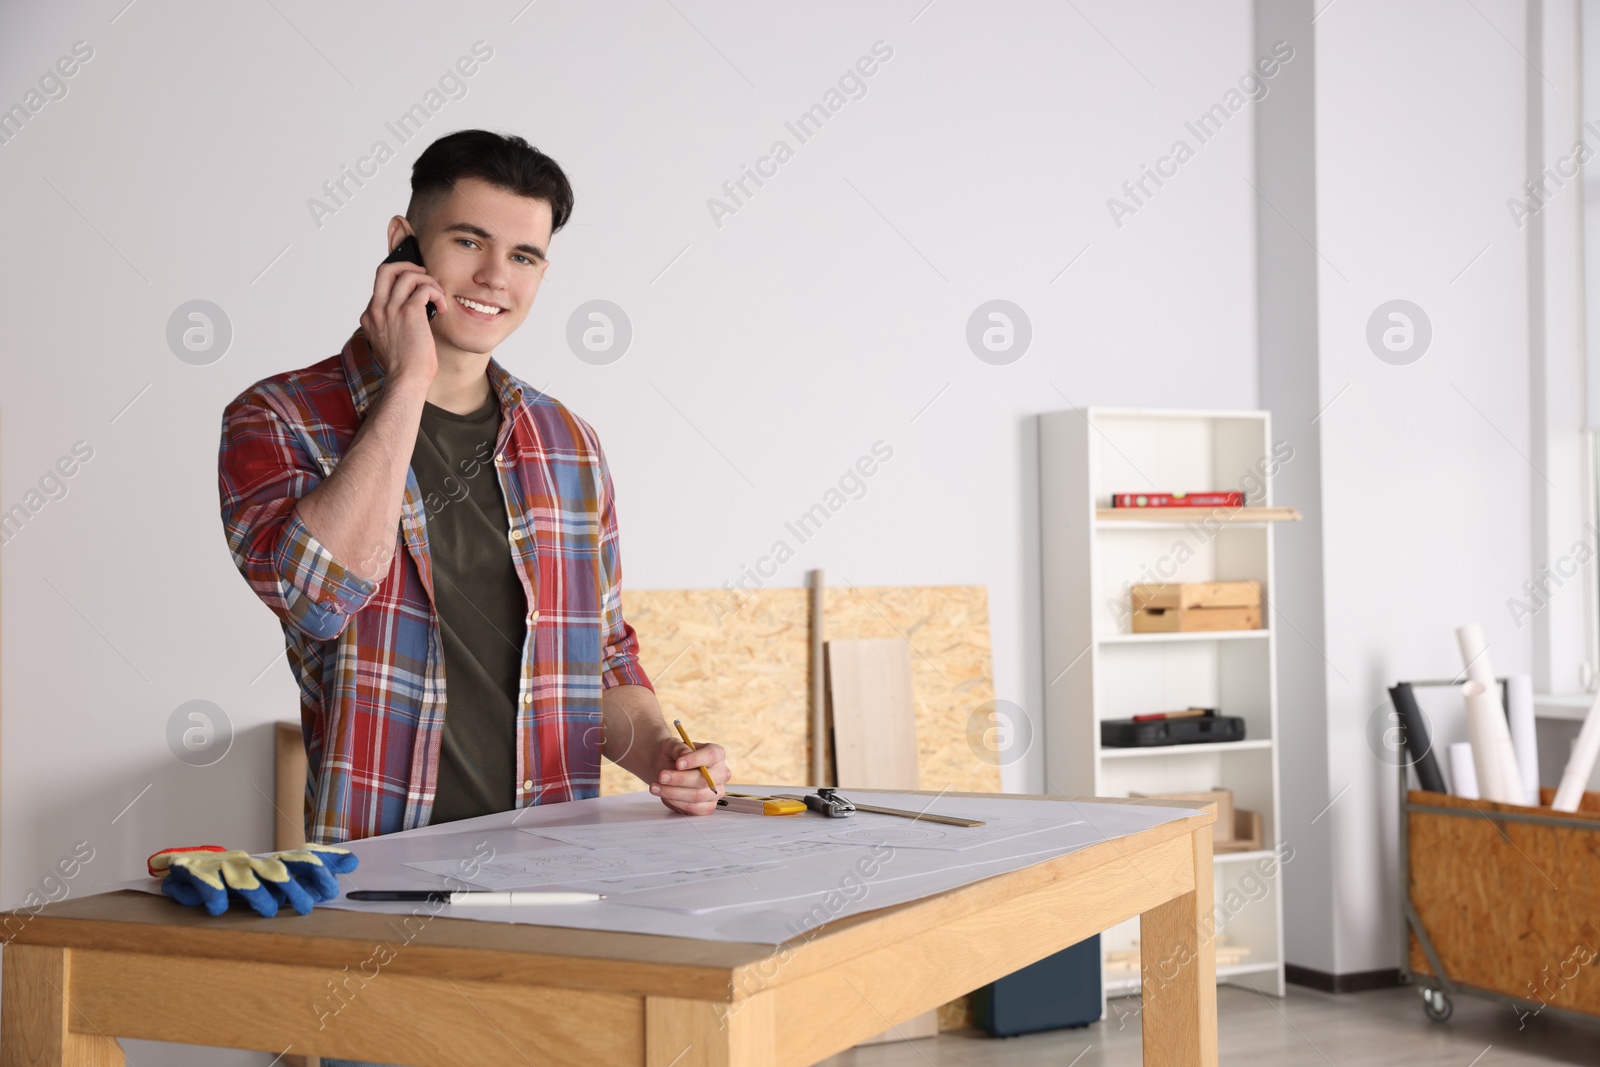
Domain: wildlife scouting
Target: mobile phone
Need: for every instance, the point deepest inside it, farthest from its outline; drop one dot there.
(408, 251)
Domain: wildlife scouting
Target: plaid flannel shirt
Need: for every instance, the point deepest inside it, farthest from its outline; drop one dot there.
(367, 654)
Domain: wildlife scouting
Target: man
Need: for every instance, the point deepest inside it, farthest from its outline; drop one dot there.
(439, 538)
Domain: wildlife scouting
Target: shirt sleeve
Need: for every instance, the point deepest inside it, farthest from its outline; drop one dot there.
(619, 644)
(263, 470)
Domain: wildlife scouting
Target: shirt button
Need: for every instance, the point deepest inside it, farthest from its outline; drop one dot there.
(516, 535)
(527, 784)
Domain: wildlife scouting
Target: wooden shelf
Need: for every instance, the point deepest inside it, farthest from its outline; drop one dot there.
(1170, 516)
(1183, 635)
(1168, 751)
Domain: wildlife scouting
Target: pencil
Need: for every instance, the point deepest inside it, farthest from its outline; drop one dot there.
(704, 773)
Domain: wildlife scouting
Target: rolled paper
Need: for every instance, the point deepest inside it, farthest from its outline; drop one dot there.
(1462, 773)
(1419, 746)
(1581, 764)
(1493, 756)
(1524, 736)
(1475, 654)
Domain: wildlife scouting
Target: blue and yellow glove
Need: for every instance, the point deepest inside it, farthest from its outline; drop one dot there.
(206, 875)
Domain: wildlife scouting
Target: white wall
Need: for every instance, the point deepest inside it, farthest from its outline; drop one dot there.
(1420, 117)
(1563, 631)
(1288, 266)
(823, 316)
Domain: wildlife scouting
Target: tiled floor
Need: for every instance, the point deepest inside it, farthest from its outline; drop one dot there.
(1384, 1027)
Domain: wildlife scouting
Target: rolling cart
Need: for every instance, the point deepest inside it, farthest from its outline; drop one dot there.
(1500, 901)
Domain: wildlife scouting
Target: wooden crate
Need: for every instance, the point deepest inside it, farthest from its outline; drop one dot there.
(1184, 620)
(1236, 830)
(1196, 595)
(1511, 907)
(1246, 835)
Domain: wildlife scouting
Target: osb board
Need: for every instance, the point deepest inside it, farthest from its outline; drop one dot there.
(947, 627)
(1509, 906)
(735, 672)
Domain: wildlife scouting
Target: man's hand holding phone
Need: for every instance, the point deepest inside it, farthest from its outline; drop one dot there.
(396, 319)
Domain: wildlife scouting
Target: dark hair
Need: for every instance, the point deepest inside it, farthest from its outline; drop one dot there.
(505, 161)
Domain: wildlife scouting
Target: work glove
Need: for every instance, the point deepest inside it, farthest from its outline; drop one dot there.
(206, 875)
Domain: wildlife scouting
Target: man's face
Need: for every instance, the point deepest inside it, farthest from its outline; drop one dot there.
(486, 245)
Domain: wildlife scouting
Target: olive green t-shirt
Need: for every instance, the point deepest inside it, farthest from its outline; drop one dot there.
(481, 606)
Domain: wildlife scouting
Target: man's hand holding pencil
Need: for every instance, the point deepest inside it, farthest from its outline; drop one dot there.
(690, 777)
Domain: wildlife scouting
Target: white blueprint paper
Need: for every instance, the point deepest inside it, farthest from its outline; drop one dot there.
(738, 832)
(569, 866)
(729, 896)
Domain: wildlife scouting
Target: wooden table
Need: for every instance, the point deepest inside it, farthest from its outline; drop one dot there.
(435, 992)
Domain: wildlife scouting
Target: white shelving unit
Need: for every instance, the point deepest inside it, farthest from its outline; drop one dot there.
(1096, 668)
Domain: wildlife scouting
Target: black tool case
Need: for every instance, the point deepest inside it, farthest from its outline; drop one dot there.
(1195, 730)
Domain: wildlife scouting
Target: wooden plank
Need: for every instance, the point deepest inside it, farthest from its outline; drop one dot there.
(38, 1028)
(873, 713)
(817, 696)
(2, 658)
(289, 786)
(1178, 993)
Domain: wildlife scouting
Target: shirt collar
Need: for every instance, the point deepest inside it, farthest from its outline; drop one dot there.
(505, 385)
(365, 377)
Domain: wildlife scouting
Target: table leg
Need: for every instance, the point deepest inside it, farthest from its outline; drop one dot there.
(699, 1033)
(37, 1019)
(1178, 989)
